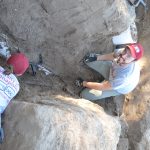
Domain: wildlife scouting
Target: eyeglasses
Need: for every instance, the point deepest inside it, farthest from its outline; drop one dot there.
(126, 56)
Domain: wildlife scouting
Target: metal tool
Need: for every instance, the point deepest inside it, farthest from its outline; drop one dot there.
(33, 68)
(39, 66)
(46, 71)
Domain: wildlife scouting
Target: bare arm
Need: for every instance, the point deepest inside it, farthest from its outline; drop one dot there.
(107, 57)
(98, 86)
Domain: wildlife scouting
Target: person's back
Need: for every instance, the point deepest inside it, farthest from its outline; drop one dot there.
(9, 87)
(16, 65)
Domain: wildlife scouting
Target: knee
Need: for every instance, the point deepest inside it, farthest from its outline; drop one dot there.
(91, 94)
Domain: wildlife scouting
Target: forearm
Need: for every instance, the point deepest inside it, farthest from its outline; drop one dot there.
(97, 86)
(107, 57)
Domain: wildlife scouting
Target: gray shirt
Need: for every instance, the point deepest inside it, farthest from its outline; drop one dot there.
(124, 78)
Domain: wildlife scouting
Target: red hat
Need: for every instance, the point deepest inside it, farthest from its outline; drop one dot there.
(136, 50)
(19, 62)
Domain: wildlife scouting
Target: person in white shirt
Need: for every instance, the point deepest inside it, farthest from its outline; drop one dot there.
(120, 70)
(15, 66)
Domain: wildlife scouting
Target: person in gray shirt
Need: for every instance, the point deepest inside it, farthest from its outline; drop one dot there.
(120, 70)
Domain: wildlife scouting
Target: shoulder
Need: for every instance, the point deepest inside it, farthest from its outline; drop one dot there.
(135, 67)
(9, 80)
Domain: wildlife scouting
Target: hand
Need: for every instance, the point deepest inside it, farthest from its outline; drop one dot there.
(90, 57)
(79, 82)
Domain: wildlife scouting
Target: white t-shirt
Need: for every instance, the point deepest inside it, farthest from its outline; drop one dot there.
(124, 78)
(9, 87)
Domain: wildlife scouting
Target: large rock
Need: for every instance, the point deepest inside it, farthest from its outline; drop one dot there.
(59, 125)
(144, 143)
(37, 21)
(69, 28)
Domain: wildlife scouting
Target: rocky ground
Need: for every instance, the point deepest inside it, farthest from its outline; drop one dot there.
(63, 32)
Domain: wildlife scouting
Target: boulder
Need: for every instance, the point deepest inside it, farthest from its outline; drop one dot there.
(68, 28)
(145, 141)
(59, 124)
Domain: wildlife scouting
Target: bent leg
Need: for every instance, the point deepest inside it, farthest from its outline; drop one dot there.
(92, 94)
(102, 67)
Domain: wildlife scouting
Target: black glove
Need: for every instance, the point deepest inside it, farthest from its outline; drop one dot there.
(79, 82)
(90, 57)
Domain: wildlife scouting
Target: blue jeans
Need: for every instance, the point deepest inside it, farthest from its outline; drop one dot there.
(102, 67)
